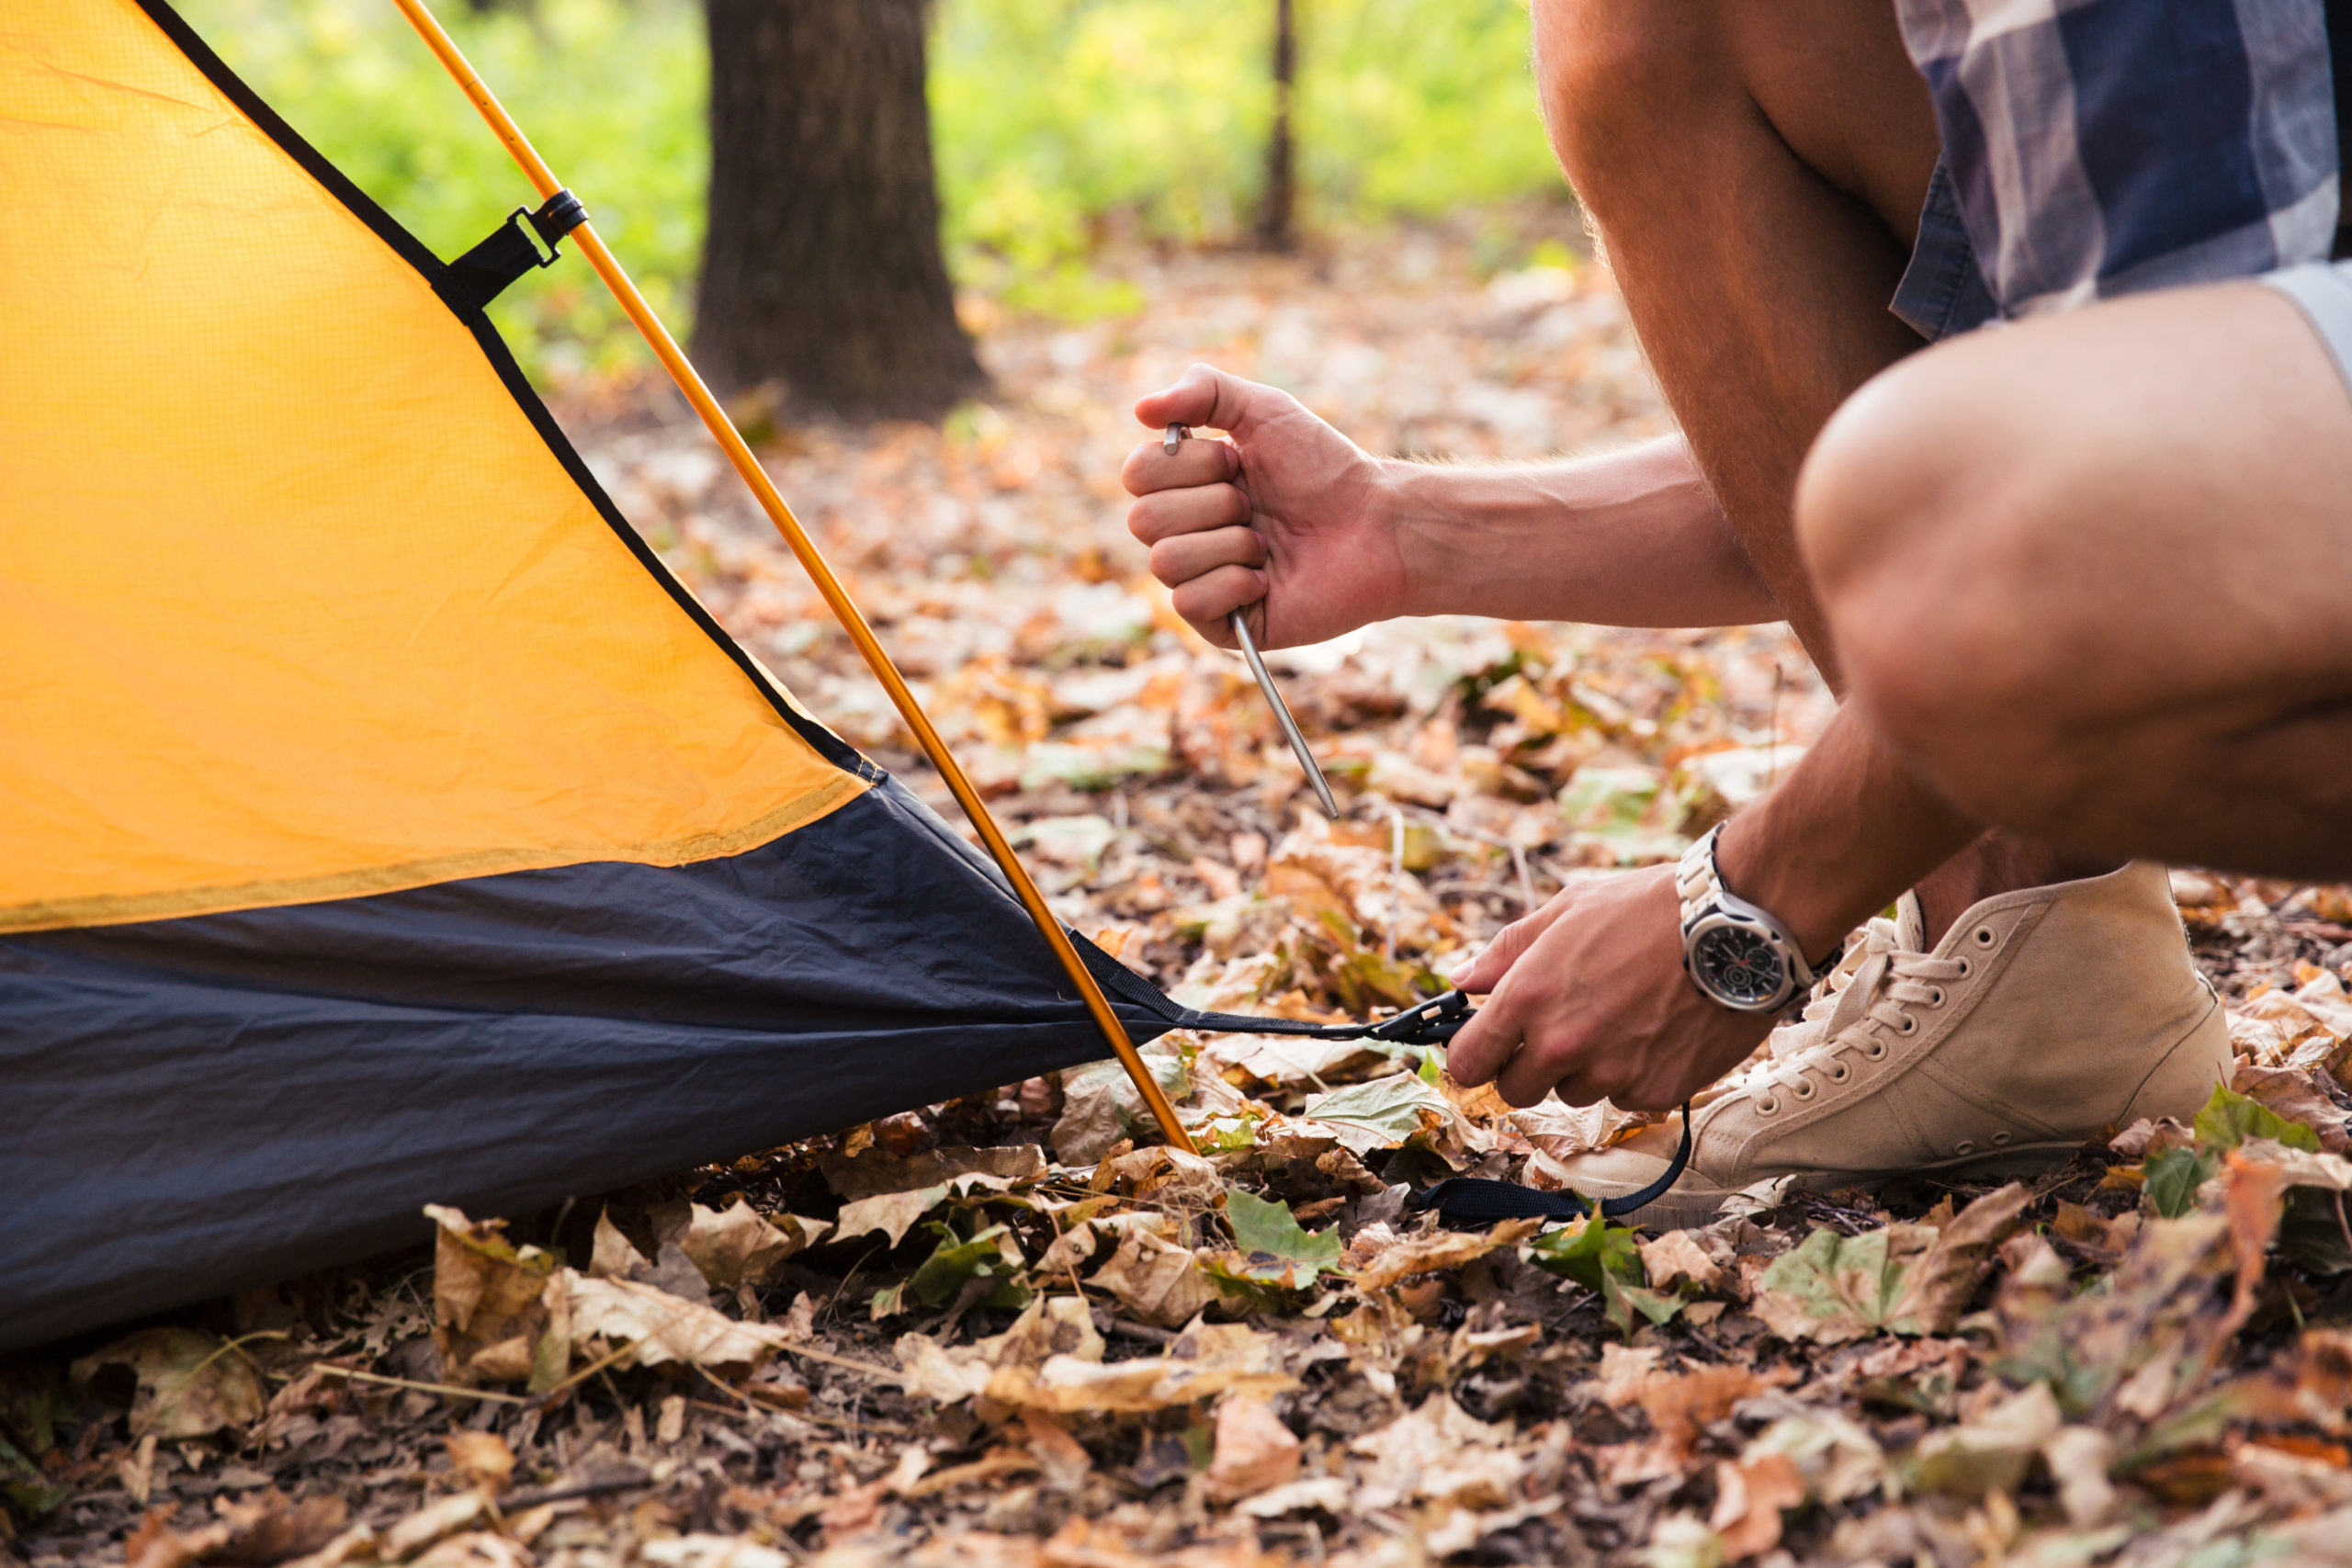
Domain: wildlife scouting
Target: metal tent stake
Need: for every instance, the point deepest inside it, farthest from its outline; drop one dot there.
(722, 429)
(1239, 621)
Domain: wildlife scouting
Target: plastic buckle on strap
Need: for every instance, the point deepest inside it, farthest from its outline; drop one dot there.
(483, 273)
(553, 219)
(1432, 1022)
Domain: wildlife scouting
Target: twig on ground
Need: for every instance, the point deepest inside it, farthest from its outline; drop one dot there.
(489, 1396)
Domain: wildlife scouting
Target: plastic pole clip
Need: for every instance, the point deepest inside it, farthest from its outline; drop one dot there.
(557, 215)
(484, 273)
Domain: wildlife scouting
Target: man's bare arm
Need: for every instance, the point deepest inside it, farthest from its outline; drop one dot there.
(1295, 524)
(1630, 538)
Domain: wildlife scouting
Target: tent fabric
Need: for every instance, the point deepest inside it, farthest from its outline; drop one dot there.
(380, 822)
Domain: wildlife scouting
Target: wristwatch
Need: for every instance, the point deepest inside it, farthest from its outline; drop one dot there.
(1734, 951)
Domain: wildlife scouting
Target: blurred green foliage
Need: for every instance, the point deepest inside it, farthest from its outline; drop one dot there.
(1059, 124)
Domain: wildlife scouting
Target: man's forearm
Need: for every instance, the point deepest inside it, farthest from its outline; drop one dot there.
(1634, 539)
(1841, 838)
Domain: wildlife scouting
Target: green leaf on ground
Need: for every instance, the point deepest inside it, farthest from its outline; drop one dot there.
(24, 1487)
(1273, 1248)
(2230, 1118)
(1382, 1113)
(2173, 1176)
(1602, 1257)
(955, 1262)
(1834, 1288)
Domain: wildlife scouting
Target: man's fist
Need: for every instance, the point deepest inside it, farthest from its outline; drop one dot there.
(1288, 519)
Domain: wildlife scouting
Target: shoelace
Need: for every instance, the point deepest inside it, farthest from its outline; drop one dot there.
(1886, 980)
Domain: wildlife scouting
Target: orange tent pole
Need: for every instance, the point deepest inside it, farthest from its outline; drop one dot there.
(852, 621)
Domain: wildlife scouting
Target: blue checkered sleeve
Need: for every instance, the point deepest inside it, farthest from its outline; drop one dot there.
(2101, 147)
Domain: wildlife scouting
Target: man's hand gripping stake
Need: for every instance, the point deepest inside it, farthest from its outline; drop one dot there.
(1240, 624)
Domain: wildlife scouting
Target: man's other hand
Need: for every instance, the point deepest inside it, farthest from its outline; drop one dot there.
(1288, 519)
(1586, 996)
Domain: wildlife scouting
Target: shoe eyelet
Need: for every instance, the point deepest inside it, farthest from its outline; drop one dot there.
(1965, 1146)
(1805, 1090)
(1999, 1139)
(1983, 936)
(1966, 968)
(1936, 996)
(1841, 1074)
(1910, 1024)
(1875, 1050)
(1767, 1107)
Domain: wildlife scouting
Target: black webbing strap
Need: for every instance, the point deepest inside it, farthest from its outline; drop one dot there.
(483, 273)
(1434, 1023)
(1462, 1203)
(1469, 1202)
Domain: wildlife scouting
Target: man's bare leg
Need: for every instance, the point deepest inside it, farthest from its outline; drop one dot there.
(2092, 575)
(1757, 172)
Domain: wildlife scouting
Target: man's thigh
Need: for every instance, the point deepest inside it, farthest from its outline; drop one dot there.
(2093, 573)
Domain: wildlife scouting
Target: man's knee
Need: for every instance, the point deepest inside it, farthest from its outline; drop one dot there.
(1927, 525)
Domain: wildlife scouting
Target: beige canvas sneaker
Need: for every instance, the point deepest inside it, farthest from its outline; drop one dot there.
(2044, 1018)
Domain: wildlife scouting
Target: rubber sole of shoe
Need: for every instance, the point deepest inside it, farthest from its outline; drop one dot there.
(1695, 1201)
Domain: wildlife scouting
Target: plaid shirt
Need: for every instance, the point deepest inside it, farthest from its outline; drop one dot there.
(2101, 147)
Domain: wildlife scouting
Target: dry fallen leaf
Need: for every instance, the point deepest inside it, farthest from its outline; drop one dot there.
(1909, 1279)
(1437, 1252)
(661, 1327)
(258, 1530)
(483, 1458)
(739, 1245)
(1751, 1496)
(893, 1213)
(1254, 1451)
(1674, 1258)
(500, 1312)
(190, 1383)
(1206, 1360)
(1156, 1280)
(1993, 1451)
(1169, 1178)
(1048, 1326)
(1440, 1453)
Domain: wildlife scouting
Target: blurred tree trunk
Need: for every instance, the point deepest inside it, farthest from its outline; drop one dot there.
(1275, 231)
(821, 266)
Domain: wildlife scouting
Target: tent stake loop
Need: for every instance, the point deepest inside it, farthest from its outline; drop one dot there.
(836, 597)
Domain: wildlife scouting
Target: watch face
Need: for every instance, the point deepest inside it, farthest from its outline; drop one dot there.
(1738, 966)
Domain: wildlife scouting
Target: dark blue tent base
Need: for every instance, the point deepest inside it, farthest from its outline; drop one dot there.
(197, 1105)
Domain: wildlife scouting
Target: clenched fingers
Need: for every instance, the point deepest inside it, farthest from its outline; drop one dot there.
(1179, 561)
(1151, 468)
(1208, 599)
(1171, 513)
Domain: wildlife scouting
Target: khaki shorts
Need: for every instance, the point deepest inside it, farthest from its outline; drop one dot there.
(2324, 291)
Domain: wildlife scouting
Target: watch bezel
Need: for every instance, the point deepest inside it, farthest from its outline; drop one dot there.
(1708, 907)
(1722, 919)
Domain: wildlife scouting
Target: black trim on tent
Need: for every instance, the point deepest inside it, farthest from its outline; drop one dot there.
(430, 267)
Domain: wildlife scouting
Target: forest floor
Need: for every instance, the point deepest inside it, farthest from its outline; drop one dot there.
(1016, 1330)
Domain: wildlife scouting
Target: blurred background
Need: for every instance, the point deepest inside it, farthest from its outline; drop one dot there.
(1065, 131)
